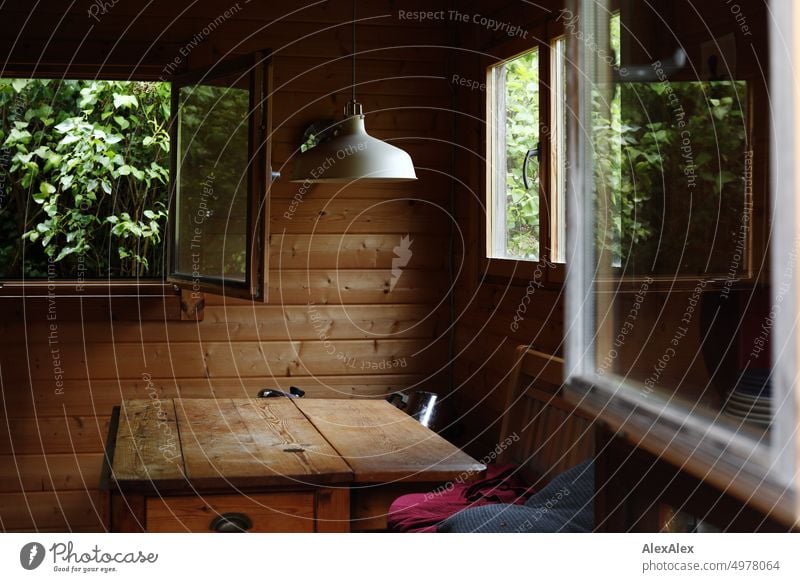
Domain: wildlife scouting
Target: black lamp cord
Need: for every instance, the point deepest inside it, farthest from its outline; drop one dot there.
(354, 50)
(451, 300)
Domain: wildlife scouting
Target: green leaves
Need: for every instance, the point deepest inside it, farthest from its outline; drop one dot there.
(45, 190)
(96, 170)
(668, 164)
(88, 96)
(16, 136)
(125, 101)
(522, 134)
(19, 84)
(67, 124)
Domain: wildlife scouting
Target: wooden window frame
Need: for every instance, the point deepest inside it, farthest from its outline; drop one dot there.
(764, 475)
(167, 287)
(545, 269)
(258, 67)
(17, 288)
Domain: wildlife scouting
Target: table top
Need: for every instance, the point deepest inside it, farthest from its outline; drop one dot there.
(223, 443)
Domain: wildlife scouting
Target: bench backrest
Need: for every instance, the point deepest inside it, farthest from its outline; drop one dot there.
(547, 435)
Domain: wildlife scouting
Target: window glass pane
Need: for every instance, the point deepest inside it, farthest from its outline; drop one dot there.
(675, 173)
(682, 302)
(212, 180)
(515, 127)
(671, 212)
(522, 135)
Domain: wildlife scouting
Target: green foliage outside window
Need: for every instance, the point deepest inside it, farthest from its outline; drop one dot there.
(669, 160)
(85, 177)
(676, 196)
(522, 134)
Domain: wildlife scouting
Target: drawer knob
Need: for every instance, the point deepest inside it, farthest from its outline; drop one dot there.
(231, 523)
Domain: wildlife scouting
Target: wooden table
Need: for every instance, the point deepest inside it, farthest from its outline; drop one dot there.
(272, 464)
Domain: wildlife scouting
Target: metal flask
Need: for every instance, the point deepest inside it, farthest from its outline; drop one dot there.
(423, 407)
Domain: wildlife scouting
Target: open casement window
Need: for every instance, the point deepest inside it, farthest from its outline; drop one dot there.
(220, 178)
(681, 318)
(526, 154)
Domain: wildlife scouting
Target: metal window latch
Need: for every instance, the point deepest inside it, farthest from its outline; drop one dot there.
(532, 153)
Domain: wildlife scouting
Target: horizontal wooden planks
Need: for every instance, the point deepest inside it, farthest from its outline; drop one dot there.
(302, 11)
(237, 323)
(437, 83)
(385, 113)
(52, 510)
(224, 359)
(308, 358)
(370, 251)
(391, 115)
(298, 73)
(63, 472)
(252, 30)
(332, 286)
(54, 434)
(356, 216)
(89, 308)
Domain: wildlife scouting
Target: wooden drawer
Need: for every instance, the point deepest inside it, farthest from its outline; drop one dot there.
(268, 512)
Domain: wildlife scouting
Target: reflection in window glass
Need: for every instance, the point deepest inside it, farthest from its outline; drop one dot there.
(212, 181)
(676, 315)
(673, 175)
(676, 195)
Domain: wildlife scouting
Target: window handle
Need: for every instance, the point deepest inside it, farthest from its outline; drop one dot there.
(535, 152)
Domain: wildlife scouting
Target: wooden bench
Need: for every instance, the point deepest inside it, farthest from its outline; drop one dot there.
(540, 433)
(548, 434)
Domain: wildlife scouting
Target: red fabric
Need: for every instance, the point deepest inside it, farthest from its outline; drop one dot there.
(422, 512)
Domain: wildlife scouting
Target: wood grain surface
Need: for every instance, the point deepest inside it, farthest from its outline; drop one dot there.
(383, 444)
(226, 443)
(256, 442)
(336, 251)
(148, 445)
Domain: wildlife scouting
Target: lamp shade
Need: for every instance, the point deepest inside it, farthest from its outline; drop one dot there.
(352, 154)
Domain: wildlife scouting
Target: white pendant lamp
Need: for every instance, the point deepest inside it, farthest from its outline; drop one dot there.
(352, 154)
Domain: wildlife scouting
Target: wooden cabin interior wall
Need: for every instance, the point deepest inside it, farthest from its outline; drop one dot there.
(486, 341)
(492, 296)
(330, 255)
(330, 278)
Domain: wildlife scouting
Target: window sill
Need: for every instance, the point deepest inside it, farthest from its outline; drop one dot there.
(522, 273)
(75, 300)
(18, 288)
